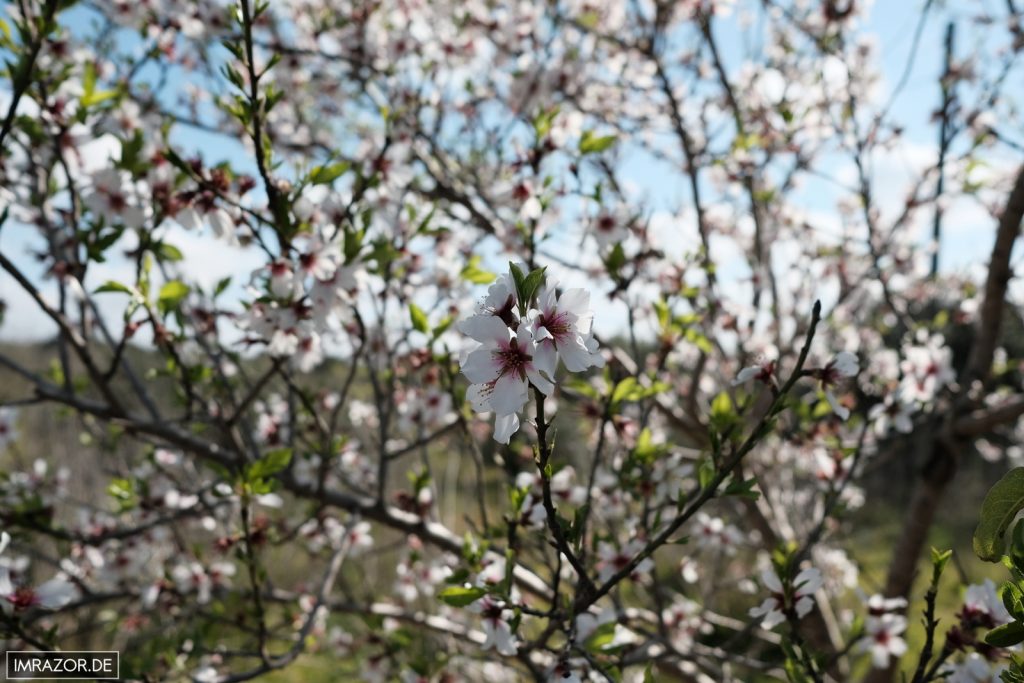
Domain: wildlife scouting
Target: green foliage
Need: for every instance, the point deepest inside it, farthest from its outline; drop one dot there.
(1006, 635)
(461, 596)
(1002, 503)
(1011, 592)
(630, 390)
(475, 274)
(90, 95)
(543, 121)
(526, 285)
(615, 259)
(595, 144)
(257, 477)
(122, 492)
(111, 286)
(723, 413)
(1015, 672)
(325, 175)
(171, 295)
(418, 318)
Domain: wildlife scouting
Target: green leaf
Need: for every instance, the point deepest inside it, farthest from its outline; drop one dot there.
(269, 465)
(442, 327)
(939, 561)
(601, 638)
(742, 488)
(322, 175)
(90, 95)
(723, 414)
(169, 252)
(171, 294)
(517, 278)
(461, 596)
(1002, 503)
(123, 492)
(111, 286)
(222, 284)
(475, 274)
(623, 389)
(543, 121)
(418, 318)
(1013, 599)
(706, 472)
(1006, 635)
(615, 259)
(531, 285)
(594, 144)
(1015, 674)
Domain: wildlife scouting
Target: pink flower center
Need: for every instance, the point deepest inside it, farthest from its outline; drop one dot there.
(118, 202)
(557, 324)
(22, 598)
(512, 360)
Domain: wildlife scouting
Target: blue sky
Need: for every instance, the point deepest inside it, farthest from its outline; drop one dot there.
(967, 236)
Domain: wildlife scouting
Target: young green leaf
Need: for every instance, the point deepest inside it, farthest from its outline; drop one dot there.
(461, 596)
(1006, 635)
(1002, 503)
(418, 318)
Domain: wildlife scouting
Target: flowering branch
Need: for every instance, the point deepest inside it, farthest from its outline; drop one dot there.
(586, 586)
(702, 495)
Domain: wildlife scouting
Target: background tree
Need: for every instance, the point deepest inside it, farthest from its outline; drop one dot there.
(689, 254)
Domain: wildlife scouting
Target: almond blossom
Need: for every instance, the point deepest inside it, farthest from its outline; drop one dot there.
(614, 559)
(883, 639)
(501, 370)
(116, 199)
(975, 668)
(496, 622)
(562, 329)
(842, 366)
(800, 599)
(927, 367)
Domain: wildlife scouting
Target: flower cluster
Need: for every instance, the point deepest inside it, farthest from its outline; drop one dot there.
(521, 335)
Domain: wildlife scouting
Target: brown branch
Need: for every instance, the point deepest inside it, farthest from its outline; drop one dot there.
(999, 273)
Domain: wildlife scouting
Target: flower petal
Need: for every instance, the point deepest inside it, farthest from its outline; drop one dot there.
(480, 366)
(486, 329)
(505, 426)
(509, 395)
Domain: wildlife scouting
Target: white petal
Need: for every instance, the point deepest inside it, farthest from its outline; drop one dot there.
(808, 581)
(479, 398)
(773, 619)
(575, 356)
(480, 367)
(746, 374)
(771, 581)
(505, 426)
(221, 223)
(841, 411)
(545, 385)
(487, 329)
(575, 300)
(545, 358)
(845, 363)
(509, 395)
(56, 593)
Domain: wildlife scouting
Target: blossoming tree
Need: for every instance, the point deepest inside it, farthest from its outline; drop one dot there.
(436, 341)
